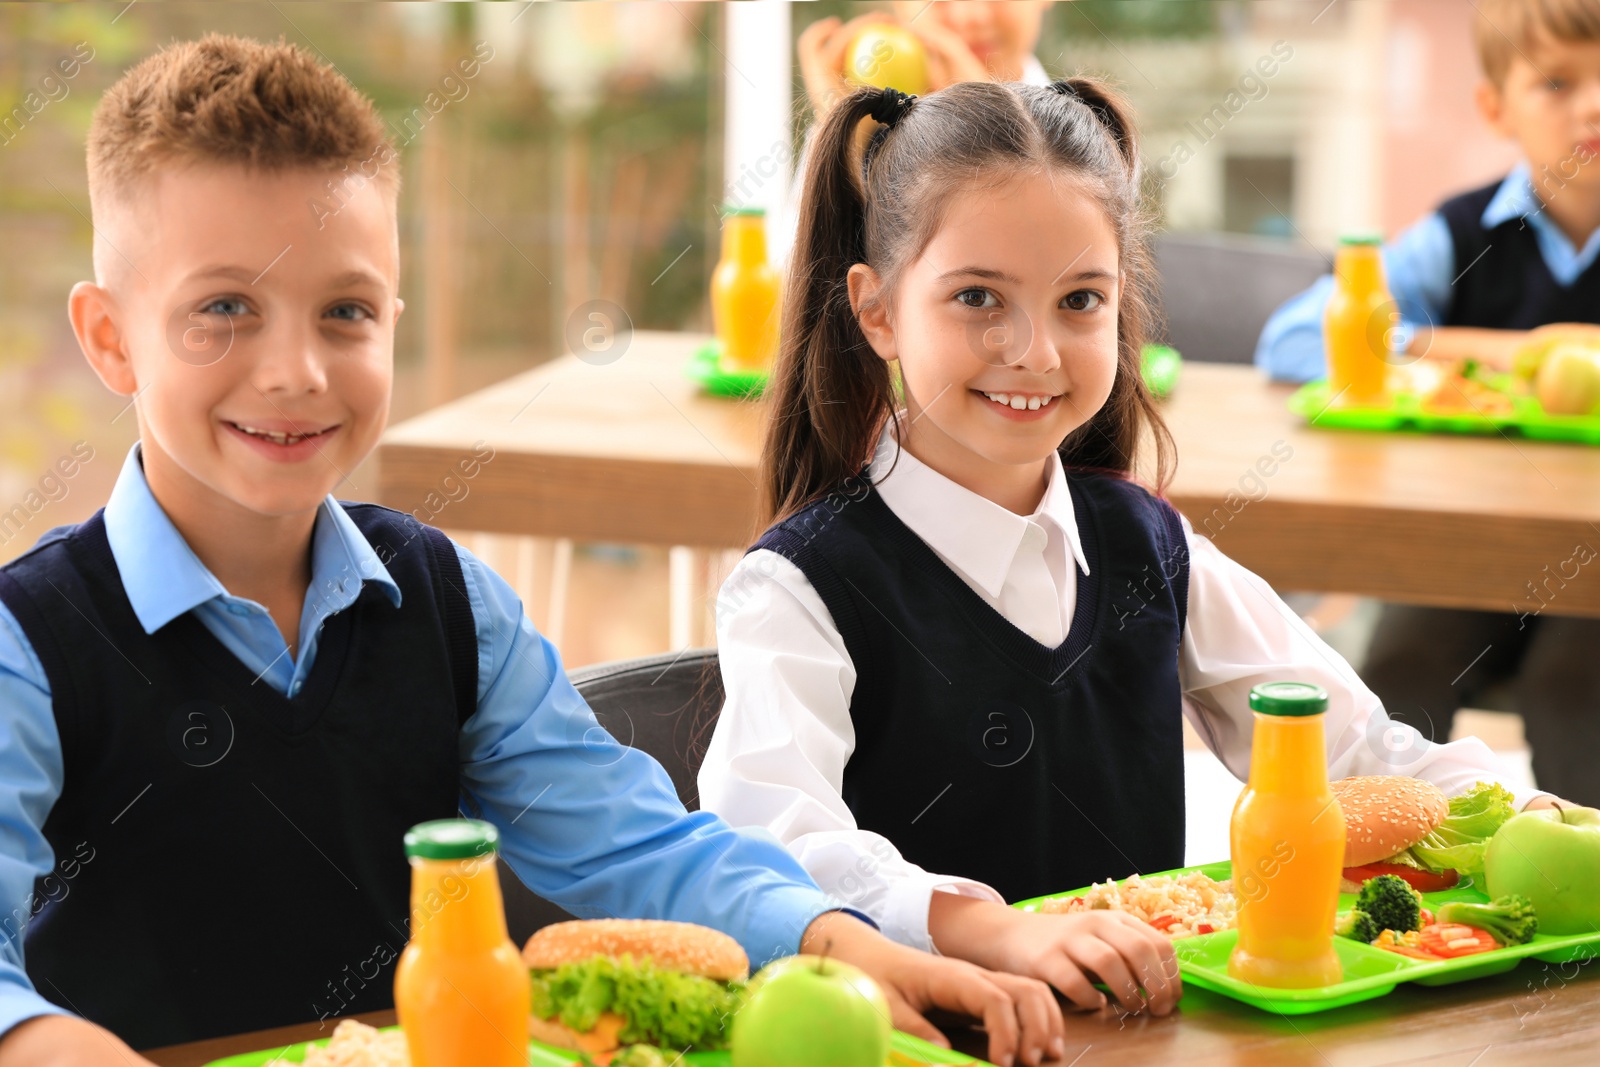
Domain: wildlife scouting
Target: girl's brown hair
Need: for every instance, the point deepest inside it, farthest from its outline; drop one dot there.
(830, 393)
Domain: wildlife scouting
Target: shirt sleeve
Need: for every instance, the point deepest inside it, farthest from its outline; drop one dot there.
(777, 757)
(596, 826)
(1418, 267)
(1240, 634)
(30, 783)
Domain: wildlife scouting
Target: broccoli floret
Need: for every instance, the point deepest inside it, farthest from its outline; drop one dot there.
(1509, 918)
(1391, 903)
(1356, 925)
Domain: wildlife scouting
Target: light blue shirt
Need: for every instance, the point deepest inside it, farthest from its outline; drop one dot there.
(1421, 268)
(586, 822)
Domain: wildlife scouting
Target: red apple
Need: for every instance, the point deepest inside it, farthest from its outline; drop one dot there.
(810, 1011)
(1552, 857)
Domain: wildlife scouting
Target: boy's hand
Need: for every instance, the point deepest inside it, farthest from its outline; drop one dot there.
(1071, 952)
(820, 49)
(1021, 1015)
(65, 1041)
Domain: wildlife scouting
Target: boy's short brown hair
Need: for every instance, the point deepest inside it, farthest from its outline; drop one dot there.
(225, 99)
(1505, 28)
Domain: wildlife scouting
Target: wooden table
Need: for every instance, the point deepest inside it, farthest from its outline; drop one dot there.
(630, 451)
(1541, 1014)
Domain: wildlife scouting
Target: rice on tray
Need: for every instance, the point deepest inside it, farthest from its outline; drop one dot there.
(1180, 906)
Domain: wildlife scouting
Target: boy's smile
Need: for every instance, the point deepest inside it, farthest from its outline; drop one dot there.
(257, 335)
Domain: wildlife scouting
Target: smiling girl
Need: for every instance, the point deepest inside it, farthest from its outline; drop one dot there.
(967, 641)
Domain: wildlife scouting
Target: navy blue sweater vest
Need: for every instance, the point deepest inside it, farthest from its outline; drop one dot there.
(981, 752)
(231, 859)
(1501, 279)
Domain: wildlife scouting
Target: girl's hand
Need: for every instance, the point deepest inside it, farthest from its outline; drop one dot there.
(949, 58)
(1071, 952)
(65, 1041)
(1020, 1014)
(821, 50)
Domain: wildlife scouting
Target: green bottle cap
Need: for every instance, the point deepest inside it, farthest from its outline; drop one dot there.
(752, 212)
(1289, 698)
(1362, 238)
(452, 839)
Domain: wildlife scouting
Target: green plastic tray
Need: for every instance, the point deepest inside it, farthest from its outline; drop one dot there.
(906, 1051)
(705, 367)
(1526, 419)
(1370, 972)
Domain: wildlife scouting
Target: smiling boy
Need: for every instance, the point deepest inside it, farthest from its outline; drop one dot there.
(225, 697)
(1470, 280)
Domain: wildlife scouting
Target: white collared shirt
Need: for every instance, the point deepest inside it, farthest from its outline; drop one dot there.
(778, 754)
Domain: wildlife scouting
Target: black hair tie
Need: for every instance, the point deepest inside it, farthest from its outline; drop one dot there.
(1065, 88)
(891, 106)
(1098, 109)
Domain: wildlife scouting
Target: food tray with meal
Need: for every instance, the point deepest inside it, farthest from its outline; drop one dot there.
(354, 1043)
(1418, 907)
(1465, 399)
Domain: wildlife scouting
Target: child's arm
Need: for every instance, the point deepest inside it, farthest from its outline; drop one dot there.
(1419, 265)
(1240, 634)
(65, 1041)
(777, 760)
(1497, 348)
(30, 783)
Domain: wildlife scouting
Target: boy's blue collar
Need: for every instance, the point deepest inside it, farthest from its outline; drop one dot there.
(164, 578)
(1515, 198)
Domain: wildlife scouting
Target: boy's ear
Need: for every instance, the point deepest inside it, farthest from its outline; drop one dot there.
(1491, 107)
(399, 306)
(866, 292)
(94, 314)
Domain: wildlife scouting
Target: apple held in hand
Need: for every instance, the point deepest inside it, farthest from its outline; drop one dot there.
(888, 57)
(1552, 857)
(1569, 380)
(810, 1011)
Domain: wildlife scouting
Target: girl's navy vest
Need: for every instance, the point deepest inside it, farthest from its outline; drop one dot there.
(228, 858)
(982, 753)
(1501, 281)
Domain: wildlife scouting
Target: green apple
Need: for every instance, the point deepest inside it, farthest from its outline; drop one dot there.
(1569, 379)
(1552, 857)
(810, 1011)
(887, 56)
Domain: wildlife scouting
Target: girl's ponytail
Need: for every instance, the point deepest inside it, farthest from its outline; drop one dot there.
(829, 392)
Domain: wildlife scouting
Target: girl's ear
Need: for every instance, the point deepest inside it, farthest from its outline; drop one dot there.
(866, 301)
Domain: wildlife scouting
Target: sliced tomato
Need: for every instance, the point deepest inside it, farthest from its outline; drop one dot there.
(1204, 928)
(1162, 922)
(1421, 881)
(1453, 940)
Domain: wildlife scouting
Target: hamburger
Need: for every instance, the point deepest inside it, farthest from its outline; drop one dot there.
(1406, 826)
(601, 984)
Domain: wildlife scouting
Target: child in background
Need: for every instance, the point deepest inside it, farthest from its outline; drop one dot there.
(1471, 280)
(958, 660)
(225, 697)
(974, 40)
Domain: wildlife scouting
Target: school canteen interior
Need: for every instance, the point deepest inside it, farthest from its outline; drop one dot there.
(586, 158)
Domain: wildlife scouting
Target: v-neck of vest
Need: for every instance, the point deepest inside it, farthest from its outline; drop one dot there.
(289, 715)
(1047, 662)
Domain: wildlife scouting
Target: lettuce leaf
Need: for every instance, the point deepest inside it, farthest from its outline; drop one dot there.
(1462, 838)
(662, 1007)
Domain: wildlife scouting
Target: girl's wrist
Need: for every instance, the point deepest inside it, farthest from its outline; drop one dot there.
(970, 928)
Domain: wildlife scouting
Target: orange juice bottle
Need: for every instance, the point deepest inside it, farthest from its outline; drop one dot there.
(460, 989)
(744, 293)
(1356, 325)
(1287, 841)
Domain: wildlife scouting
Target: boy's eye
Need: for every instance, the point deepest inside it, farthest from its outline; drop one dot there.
(225, 305)
(1555, 85)
(1083, 300)
(350, 312)
(975, 298)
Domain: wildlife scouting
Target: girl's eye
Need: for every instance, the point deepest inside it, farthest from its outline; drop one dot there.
(350, 312)
(975, 298)
(1083, 300)
(225, 305)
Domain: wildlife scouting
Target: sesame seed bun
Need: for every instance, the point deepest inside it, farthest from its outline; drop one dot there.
(683, 947)
(1385, 814)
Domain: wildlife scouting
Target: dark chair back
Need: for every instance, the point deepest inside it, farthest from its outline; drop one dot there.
(662, 705)
(1219, 289)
